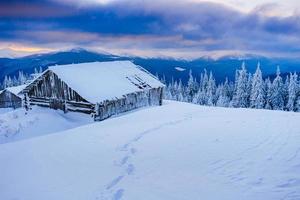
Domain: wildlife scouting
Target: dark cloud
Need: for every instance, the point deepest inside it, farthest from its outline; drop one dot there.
(198, 26)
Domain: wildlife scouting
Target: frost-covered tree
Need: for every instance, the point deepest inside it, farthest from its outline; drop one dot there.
(241, 96)
(268, 94)
(179, 92)
(36, 71)
(223, 97)
(191, 87)
(292, 92)
(246, 91)
(15, 81)
(204, 81)
(211, 90)
(8, 82)
(257, 96)
(277, 99)
(285, 92)
(200, 98)
(21, 78)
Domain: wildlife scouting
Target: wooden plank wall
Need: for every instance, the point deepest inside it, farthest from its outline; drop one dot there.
(149, 97)
(9, 100)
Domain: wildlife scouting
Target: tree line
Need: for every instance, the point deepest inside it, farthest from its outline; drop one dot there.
(22, 78)
(246, 91)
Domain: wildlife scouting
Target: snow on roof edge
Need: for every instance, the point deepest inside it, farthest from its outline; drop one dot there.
(15, 89)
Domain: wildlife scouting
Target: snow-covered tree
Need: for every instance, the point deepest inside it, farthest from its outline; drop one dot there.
(268, 93)
(257, 96)
(191, 87)
(241, 97)
(277, 99)
(285, 92)
(36, 71)
(211, 90)
(246, 91)
(204, 81)
(7, 82)
(292, 92)
(21, 78)
(223, 94)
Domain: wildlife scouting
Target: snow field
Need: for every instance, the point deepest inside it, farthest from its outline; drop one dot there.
(175, 151)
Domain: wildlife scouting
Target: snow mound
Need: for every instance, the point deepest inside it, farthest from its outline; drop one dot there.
(177, 151)
(16, 125)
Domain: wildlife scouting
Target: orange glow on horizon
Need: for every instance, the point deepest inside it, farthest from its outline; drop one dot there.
(28, 48)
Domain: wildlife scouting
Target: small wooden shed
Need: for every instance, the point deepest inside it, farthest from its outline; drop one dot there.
(11, 98)
(102, 89)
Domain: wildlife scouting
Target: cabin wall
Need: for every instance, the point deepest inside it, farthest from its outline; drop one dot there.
(129, 102)
(50, 91)
(50, 86)
(9, 100)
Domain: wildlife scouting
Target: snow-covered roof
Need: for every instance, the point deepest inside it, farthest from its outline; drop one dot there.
(99, 81)
(15, 89)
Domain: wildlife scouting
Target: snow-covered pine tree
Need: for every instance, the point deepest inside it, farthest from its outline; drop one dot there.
(257, 96)
(191, 87)
(292, 92)
(224, 94)
(204, 82)
(15, 81)
(167, 92)
(285, 92)
(5, 82)
(21, 78)
(249, 86)
(268, 93)
(36, 71)
(200, 97)
(211, 90)
(179, 92)
(277, 99)
(219, 92)
(241, 97)
(8, 82)
(221, 101)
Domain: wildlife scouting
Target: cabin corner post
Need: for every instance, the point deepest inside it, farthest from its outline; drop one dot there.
(95, 112)
(161, 95)
(26, 102)
(65, 106)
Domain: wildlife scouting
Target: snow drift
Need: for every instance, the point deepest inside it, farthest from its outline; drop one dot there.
(18, 125)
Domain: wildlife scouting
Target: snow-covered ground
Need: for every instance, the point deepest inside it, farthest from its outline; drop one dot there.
(5, 110)
(16, 125)
(177, 151)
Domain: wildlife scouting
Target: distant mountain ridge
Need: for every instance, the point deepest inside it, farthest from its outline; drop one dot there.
(167, 67)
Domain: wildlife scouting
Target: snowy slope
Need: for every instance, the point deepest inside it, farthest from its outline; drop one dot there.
(177, 151)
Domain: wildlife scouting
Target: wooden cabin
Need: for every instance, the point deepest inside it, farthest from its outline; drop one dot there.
(11, 98)
(102, 89)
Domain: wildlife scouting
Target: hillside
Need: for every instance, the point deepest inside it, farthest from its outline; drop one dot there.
(175, 151)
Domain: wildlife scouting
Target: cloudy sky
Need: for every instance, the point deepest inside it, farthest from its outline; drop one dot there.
(181, 29)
